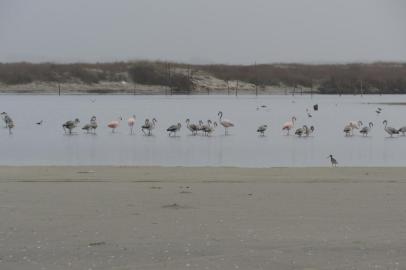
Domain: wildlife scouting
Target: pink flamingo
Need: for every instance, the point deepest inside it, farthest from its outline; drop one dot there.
(289, 124)
(114, 124)
(225, 122)
(131, 122)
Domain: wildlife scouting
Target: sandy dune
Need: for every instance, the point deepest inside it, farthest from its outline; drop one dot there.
(202, 218)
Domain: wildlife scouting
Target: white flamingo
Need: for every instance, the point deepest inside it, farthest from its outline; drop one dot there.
(131, 122)
(289, 124)
(225, 122)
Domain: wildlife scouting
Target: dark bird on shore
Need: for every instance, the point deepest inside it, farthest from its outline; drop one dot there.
(333, 161)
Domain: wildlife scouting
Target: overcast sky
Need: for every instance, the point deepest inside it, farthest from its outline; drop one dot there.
(203, 31)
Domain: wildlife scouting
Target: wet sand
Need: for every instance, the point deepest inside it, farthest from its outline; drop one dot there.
(202, 218)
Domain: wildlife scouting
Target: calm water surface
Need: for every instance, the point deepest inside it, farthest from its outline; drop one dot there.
(48, 145)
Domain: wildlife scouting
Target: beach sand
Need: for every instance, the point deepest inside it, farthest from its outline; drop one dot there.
(202, 218)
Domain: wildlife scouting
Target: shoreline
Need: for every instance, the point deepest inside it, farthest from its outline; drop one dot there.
(104, 217)
(202, 174)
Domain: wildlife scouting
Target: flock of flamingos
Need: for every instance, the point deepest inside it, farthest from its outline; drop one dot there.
(209, 127)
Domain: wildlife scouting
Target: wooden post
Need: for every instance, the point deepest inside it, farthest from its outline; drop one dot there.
(311, 88)
(256, 80)
(228, 88)
(236, 89)
(59, 89)
(362, 91)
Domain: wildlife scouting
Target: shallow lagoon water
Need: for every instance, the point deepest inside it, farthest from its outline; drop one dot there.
(48, 145)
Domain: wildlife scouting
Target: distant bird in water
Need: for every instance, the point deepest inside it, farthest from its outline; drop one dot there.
(349, 128)
(366, 129)
(261, 129)
(308, 130)
(225, 122)
(333, 161)
(308, 113)
(390, 130)
(173, 129)
(93, 100)
(148, 125)
(378, 110)
(131, 122)
(70, 125)
(114, 124)
(9, 123)
(299, 132)
(3, 117)
(39, 123)
(192, 127)
(289, 125)
(91, 127)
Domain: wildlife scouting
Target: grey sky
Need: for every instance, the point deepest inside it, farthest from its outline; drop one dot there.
(203, 31)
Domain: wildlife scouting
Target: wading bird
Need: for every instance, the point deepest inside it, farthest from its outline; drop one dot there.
(9, 123)
(91, 127)
(366, 129)
(173, 129)
(225, 122)
(209, 129)
(148, 125)
(131, 122)
(69, 125)
(114, 124)
(192, 127)
(299, 132)
(347, 130)
(308, 131)
(289, 125)
(402, 130)
(333, 161)
(3, 117)
(261, 129)
(389, 130)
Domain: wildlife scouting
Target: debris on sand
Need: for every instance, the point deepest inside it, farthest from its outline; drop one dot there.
(97, 244)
